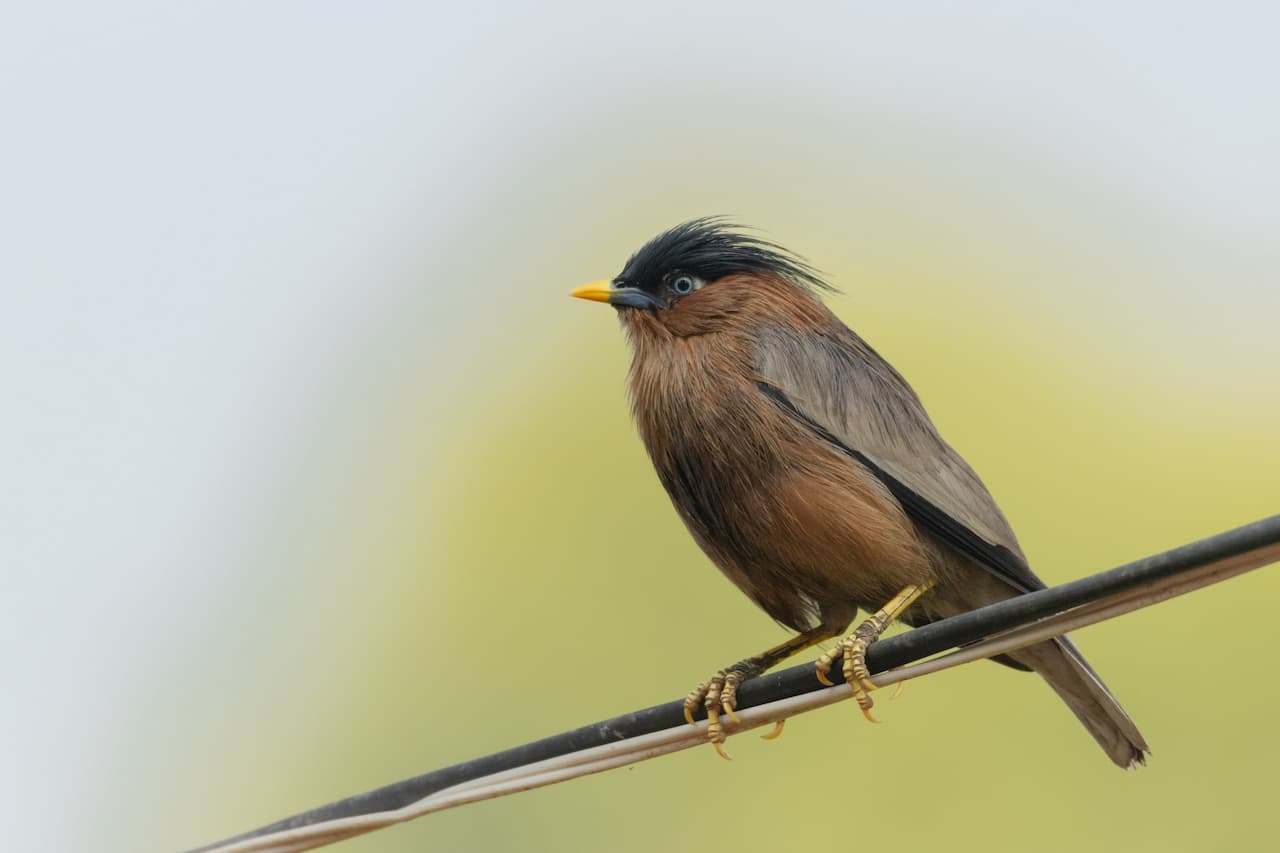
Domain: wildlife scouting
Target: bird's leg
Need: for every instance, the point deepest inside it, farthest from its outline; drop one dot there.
(720, 692)
(853, 648)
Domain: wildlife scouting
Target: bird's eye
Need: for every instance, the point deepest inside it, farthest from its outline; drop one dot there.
(683, 285)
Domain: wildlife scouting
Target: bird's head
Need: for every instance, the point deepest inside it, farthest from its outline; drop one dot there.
(703, 274)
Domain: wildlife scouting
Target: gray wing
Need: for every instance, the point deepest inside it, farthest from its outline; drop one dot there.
(852, 398)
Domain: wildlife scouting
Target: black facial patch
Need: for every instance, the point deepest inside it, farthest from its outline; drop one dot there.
(711, 248)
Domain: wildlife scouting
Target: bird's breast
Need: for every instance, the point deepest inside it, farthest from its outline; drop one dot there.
(702, 422)
(789, 520)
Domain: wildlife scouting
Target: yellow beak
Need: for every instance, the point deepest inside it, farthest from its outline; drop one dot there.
(596, 291)
(619, 297)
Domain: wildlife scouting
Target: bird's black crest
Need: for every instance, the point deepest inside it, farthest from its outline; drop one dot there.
(712, 248)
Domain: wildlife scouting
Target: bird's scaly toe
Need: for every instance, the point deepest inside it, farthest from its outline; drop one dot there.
(718, 696)
(824, 663)
(853, 652)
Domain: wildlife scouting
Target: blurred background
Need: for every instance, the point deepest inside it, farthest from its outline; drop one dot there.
(304, 441)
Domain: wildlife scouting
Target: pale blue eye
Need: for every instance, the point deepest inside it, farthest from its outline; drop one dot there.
(682, 285)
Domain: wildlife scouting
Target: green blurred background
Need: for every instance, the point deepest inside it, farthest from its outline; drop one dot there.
(322, 446)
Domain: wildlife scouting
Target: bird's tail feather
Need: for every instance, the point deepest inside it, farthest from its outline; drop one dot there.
(1060, 663)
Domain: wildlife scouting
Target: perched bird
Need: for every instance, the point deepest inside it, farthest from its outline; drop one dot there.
(808, 471)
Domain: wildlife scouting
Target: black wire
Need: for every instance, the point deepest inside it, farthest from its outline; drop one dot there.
(886, 654)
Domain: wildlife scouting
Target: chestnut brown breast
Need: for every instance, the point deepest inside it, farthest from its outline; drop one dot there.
(793, 523)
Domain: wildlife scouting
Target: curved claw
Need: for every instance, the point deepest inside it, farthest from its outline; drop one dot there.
(822, 676)
(720, 750)
(866, 712)
(688, 715)
(777, 730)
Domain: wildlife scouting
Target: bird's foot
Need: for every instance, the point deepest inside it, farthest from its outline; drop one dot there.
(853, 650)
(719, 695)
